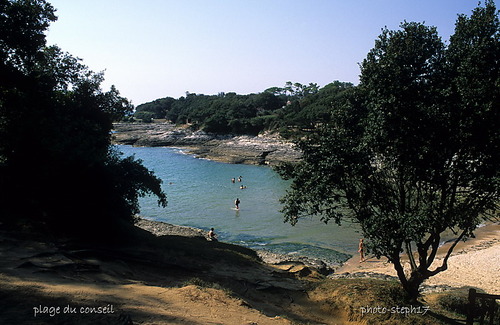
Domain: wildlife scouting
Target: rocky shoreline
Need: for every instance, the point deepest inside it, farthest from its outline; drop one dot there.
(235, 149)
(463, 269)
(286, 262)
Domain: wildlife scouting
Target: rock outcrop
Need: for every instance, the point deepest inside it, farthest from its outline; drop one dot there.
(301, 266)
(258, 150)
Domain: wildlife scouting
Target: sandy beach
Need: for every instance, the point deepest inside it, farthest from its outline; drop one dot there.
(474, 263)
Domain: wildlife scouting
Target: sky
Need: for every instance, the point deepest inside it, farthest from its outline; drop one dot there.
(152, 49)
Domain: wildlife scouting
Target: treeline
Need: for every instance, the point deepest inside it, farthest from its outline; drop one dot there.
(292, 107)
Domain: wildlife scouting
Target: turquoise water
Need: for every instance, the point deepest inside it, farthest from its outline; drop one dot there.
(200, 194)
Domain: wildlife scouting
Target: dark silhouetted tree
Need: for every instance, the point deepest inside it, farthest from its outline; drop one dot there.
(56, 163)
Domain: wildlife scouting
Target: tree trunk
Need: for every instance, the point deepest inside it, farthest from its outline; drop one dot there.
(413, 284)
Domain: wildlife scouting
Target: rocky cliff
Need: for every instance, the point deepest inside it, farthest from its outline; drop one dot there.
(258, 150)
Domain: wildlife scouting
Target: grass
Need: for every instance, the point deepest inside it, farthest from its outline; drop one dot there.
(455, 304)
(371, 301)
(200, 283)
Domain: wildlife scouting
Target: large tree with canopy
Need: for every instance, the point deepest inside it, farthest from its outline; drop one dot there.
(413, 151)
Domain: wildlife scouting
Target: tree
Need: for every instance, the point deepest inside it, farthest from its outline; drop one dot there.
(57, 166)
(294, 90)
(413, 150)
(158, 108)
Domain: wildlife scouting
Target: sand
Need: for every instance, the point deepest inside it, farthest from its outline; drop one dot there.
(149, 304)
(474, 263)
(37, 274)
(46, 283)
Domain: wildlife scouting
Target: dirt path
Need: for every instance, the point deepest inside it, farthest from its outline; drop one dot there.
(80, 303)
(42, 283)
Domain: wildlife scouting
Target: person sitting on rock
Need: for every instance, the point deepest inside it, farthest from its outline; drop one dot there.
(212, 236)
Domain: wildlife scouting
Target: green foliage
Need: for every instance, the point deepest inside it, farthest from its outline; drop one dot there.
(414, 149)
(455, 303)
(157, 108)
(144, 116)
(131, 180)
(294, 90)
(295, 107)
(56, 162)
(23, 31)
(313, 110)
(224, 113)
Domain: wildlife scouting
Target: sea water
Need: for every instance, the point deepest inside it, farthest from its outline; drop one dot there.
(201, 194)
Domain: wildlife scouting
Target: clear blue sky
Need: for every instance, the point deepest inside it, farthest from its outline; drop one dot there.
(157, 48)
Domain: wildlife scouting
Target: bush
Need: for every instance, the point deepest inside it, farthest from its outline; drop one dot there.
(145, 117)
(457, 303)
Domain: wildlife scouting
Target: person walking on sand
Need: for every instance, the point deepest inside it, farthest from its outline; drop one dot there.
(361, 250)
(237, 203)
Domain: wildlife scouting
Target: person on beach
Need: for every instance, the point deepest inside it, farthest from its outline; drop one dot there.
(212, 236)
(361, 250)
(237, 203)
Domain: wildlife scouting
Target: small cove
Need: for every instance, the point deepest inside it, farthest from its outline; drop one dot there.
(201, 194)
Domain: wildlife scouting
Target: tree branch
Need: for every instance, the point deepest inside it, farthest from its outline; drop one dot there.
(409, 252)
(396, 261)
(444, 266)
(435, 247)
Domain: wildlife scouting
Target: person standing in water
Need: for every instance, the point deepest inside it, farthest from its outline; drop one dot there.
(237, 203)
